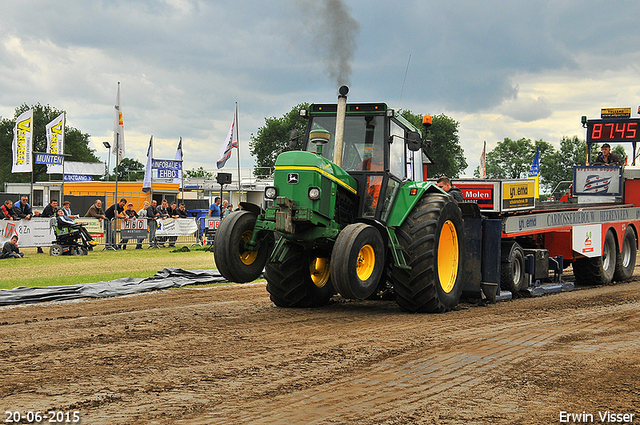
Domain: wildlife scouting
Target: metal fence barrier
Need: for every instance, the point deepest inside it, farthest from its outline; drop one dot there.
(142, 233)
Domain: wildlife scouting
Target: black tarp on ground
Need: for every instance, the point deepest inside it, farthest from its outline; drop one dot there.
(165, 278)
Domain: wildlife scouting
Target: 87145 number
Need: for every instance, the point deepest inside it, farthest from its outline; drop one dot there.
(52, 416)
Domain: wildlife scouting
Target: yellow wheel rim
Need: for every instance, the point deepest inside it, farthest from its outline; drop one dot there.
(366, 262)
(247, 257)
(319, 270)
(448, 256)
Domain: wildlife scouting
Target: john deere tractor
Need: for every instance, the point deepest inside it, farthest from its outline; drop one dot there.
(350, 213)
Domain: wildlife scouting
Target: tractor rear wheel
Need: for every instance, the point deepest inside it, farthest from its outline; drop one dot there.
(357, 261)
(302, 279)
(597, 270)
(512, 276)
(234, 261)
(433, 240)
(626, 258)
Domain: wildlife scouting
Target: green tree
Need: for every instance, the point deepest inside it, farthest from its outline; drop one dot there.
(198, 173)
(76, 144)
(273, 138)
(512, 159)
(445, 148)
(558, 165)
(129, 170)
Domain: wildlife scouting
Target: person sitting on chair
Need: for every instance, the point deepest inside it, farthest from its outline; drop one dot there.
(65, 221)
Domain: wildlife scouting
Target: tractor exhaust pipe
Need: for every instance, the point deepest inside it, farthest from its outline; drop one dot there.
(340, 117)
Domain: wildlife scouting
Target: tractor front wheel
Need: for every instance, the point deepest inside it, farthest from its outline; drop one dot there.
(433, 240)
(234, 261)
(357, 261)
(302, 279)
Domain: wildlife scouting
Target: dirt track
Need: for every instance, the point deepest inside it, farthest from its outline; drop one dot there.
(227, 355)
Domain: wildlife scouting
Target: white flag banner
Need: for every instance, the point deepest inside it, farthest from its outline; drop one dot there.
(146, 183)
(118, 131)
(22, 145)
(85, 168)
(230, 143)
(483, 162)
(55, 142)
(178, 179)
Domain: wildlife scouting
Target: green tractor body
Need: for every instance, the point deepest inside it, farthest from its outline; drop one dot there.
(350, 214)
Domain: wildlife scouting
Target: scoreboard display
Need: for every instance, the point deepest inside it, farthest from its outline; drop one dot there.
(613, 130)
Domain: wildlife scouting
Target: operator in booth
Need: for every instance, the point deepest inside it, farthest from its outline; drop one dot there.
(606, 157)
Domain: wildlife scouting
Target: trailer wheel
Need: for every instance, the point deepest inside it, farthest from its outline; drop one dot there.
(357, 261)
(433, 240)
(234, 262)
(597, 270)
(512, 275)
(302, 279)
(626, 259)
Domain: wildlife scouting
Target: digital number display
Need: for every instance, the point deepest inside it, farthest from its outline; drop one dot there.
(620, 130)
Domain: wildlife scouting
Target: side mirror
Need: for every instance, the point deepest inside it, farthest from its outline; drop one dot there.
(293, 139)
(414, 142)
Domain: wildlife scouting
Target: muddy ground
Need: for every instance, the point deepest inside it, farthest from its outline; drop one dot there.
(228, 355)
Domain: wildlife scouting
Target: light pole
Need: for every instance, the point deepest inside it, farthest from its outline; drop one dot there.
(108, 146)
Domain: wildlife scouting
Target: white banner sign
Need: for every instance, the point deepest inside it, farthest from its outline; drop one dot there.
(34, 232)
(22, 143)
(84, 168)
(176, 227)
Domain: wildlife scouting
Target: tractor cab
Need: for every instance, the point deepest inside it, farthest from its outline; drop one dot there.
(380, 151)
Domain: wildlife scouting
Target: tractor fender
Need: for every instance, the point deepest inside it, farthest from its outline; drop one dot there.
(256, 209)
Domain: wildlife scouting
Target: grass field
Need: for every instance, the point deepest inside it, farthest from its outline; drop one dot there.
(45, 270)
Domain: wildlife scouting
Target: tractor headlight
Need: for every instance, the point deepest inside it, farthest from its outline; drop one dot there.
(314, 193)
(270, 192)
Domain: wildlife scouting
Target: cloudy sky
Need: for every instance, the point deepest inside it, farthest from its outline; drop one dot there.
(517, 68)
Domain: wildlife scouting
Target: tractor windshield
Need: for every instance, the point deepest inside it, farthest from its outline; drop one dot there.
(363, 141)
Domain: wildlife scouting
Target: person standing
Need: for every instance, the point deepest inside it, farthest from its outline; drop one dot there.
(96, 211)
(7, 212)
(445, 184)
(22, 209)
(131, 215)
(66, 208)
(214, 209)
(142, 214)
(152, 218)
(50, 209)
(606, 157)
(113, 212)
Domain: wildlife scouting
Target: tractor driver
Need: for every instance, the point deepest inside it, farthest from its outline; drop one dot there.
(374, 154)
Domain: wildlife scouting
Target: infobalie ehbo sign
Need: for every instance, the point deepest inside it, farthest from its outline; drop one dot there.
(167, 169)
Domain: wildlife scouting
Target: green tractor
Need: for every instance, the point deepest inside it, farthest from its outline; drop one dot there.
(350, 213)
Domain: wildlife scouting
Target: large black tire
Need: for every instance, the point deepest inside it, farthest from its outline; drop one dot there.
(626, 258)
(234, 262)
(357, 261)
(302, 279)
(512, 271)
(597, 270)
(433, 240)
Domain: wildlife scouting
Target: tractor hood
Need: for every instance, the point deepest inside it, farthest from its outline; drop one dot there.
(300, 161)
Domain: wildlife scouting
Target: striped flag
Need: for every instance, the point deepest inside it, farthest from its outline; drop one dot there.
(146, 183)
(483, 162)
(230, 142)
(178, 157)
(118, 130)
(534, 172)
